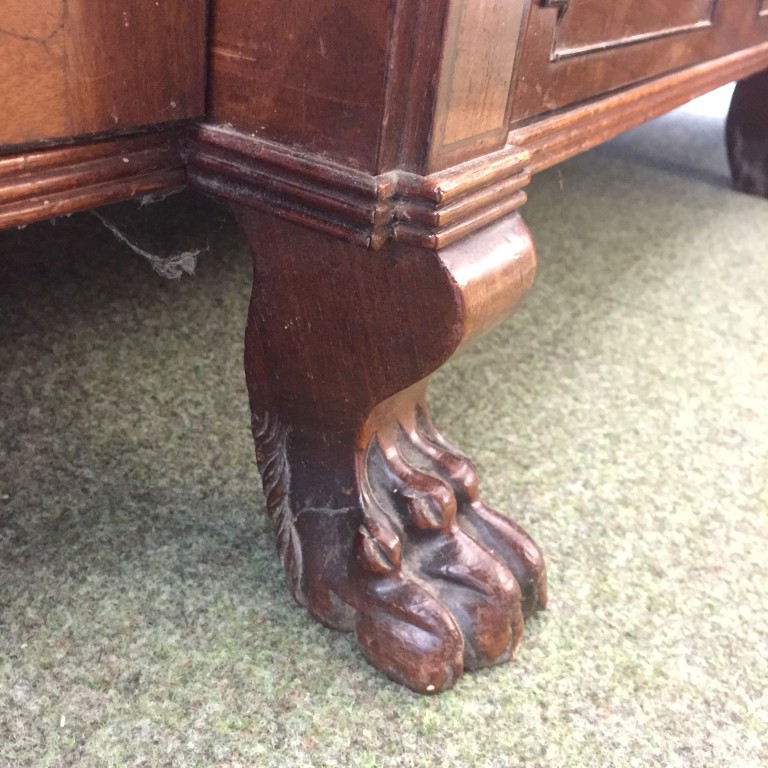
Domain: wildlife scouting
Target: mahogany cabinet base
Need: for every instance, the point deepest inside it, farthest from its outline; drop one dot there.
(747, 135)
(380, 527)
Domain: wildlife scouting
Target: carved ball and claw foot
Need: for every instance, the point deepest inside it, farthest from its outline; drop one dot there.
(430, 579)
(380, 526)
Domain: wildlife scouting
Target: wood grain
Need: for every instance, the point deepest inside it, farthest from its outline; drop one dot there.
(475, 79)
(308, 73)
(75, 67)
(33, 71)
(364, 209)
(434, 210)
(365, 149)
(543, 85)
(592, 25)
(373, 86)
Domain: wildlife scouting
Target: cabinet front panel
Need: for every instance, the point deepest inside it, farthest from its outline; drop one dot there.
(76, 67)
(577, 50)
(589, 25)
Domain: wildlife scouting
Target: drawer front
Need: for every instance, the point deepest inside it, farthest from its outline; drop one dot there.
(74, 67)
(593, 25)
(576, 50)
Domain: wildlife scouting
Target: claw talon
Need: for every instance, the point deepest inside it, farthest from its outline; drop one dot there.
(431, 580)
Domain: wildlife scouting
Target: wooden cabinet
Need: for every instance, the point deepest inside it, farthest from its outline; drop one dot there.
(366, 150)
(75, 67)
(578, 49)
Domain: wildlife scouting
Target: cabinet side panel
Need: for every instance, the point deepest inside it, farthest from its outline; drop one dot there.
(562, 65)
(33, 85)
(308, 73)
(77, 67)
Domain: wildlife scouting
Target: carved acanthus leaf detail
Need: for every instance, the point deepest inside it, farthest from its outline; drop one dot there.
(271, 438)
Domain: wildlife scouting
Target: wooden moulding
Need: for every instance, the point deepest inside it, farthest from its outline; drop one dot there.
(554, 139)
(435, 210)
(430, 211)
(52, 182)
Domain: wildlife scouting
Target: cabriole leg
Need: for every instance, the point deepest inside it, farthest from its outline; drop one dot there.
(380, 526)
(747, 135)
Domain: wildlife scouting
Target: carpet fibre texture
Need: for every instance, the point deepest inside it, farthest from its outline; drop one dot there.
(621, 417)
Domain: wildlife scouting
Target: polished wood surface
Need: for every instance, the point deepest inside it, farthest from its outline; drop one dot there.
(587, 26)
(380, 527)
(554, 138)
(276, 71)
(375, 86)
(546, 80)
(74, 67)
(472, 108)
(437, 208)
(747, 135)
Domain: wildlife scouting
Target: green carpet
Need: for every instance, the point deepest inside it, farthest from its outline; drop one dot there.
(621, 417)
